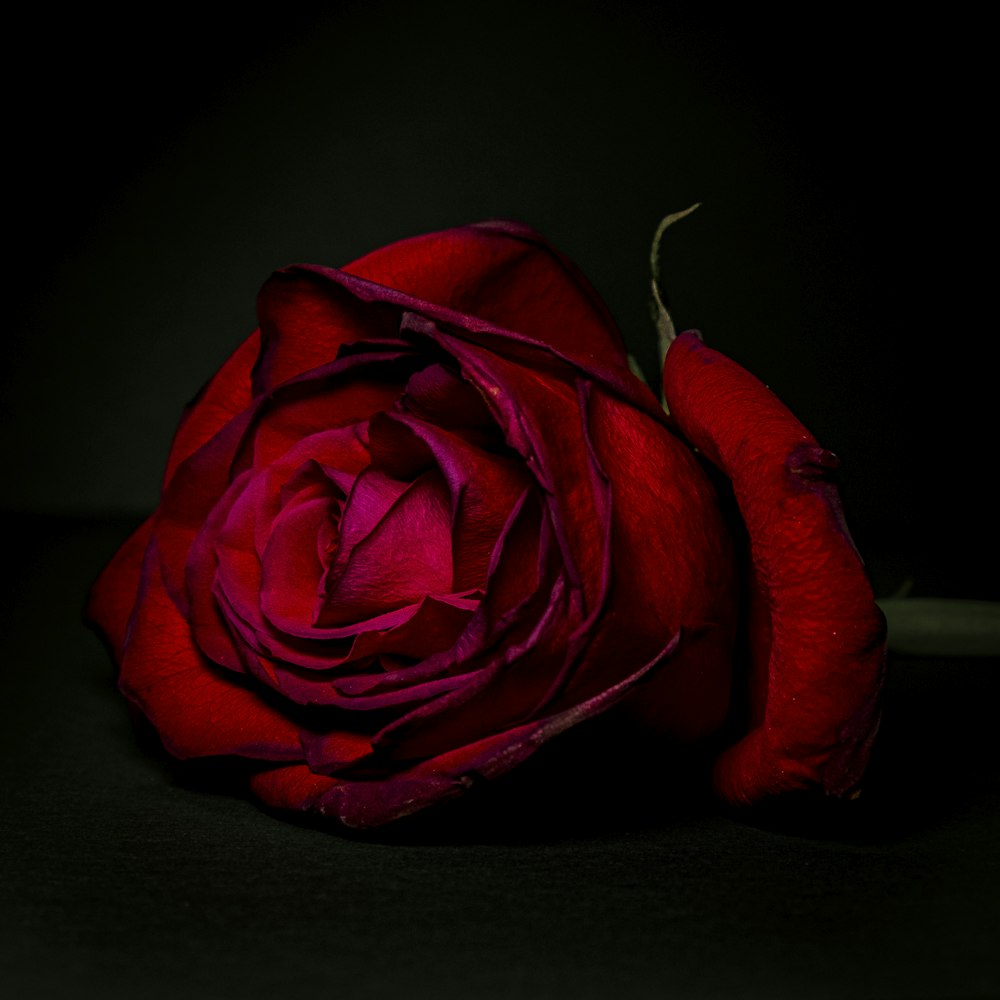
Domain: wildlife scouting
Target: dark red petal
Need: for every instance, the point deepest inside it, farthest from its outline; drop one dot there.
(197, 711)
(506, 274)
(506, 681)
(208, 625)
(406, 556)
(304, 323)
(484, 486)
(826, 655)
(371, 495)
(292, 567)
(304, 409)
(437, 395)
(558, 343)
(333, 751)
(540, 414)
(291, 786)
(241, 550)
(672, 566)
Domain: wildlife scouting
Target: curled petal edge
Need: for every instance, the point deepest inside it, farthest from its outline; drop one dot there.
(366, 804)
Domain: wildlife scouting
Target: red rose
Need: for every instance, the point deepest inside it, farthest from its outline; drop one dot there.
(425, 519)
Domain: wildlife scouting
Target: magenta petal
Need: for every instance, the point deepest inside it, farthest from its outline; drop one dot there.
(209, 626)
(438, 396)
(484, 488)
(371, 496)
(293, 564)
(404, 558)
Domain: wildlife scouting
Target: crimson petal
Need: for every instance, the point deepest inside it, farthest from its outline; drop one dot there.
(197, 711)
(819, 671)
(501, 272)
(405, 556)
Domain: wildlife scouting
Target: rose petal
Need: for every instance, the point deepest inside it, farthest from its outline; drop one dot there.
(197, 711)
(672, 568)
(541, 419)
(202, 478)
(405, 557)
(303, 326)
(293, 787)
(505, 273)
(827, 651)
(439, 396)
(483, 486)
(503, 623)
(292, 568)
(552, 346)
(505, 680)
(372, 495)
(314, 676)
(334, 751)
(320, 402)
(502, 273)
(318, 466)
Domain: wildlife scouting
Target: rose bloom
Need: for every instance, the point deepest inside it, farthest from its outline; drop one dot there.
(425, 519)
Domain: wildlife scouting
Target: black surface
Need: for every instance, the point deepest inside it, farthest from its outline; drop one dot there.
(160, 168)
(587, 874)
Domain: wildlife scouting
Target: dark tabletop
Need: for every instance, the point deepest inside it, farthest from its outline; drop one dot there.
(163, 167)
(582, 878)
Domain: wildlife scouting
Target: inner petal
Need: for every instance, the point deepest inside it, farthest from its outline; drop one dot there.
(371, 497)
(439, 396)
(293, 562)
(406, 556)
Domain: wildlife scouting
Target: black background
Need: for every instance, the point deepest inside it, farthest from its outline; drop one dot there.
(164, 162)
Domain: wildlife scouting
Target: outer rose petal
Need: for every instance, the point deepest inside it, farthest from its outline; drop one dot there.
(507, 274)
(680, 576)
(502, 273)
(825, 663)
(197, 711)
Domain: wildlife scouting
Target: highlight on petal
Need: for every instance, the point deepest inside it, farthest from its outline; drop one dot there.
(818, 638)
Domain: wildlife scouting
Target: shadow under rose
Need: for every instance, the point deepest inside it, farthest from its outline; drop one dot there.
(934, 762)
(931, 768)
(594, 782)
